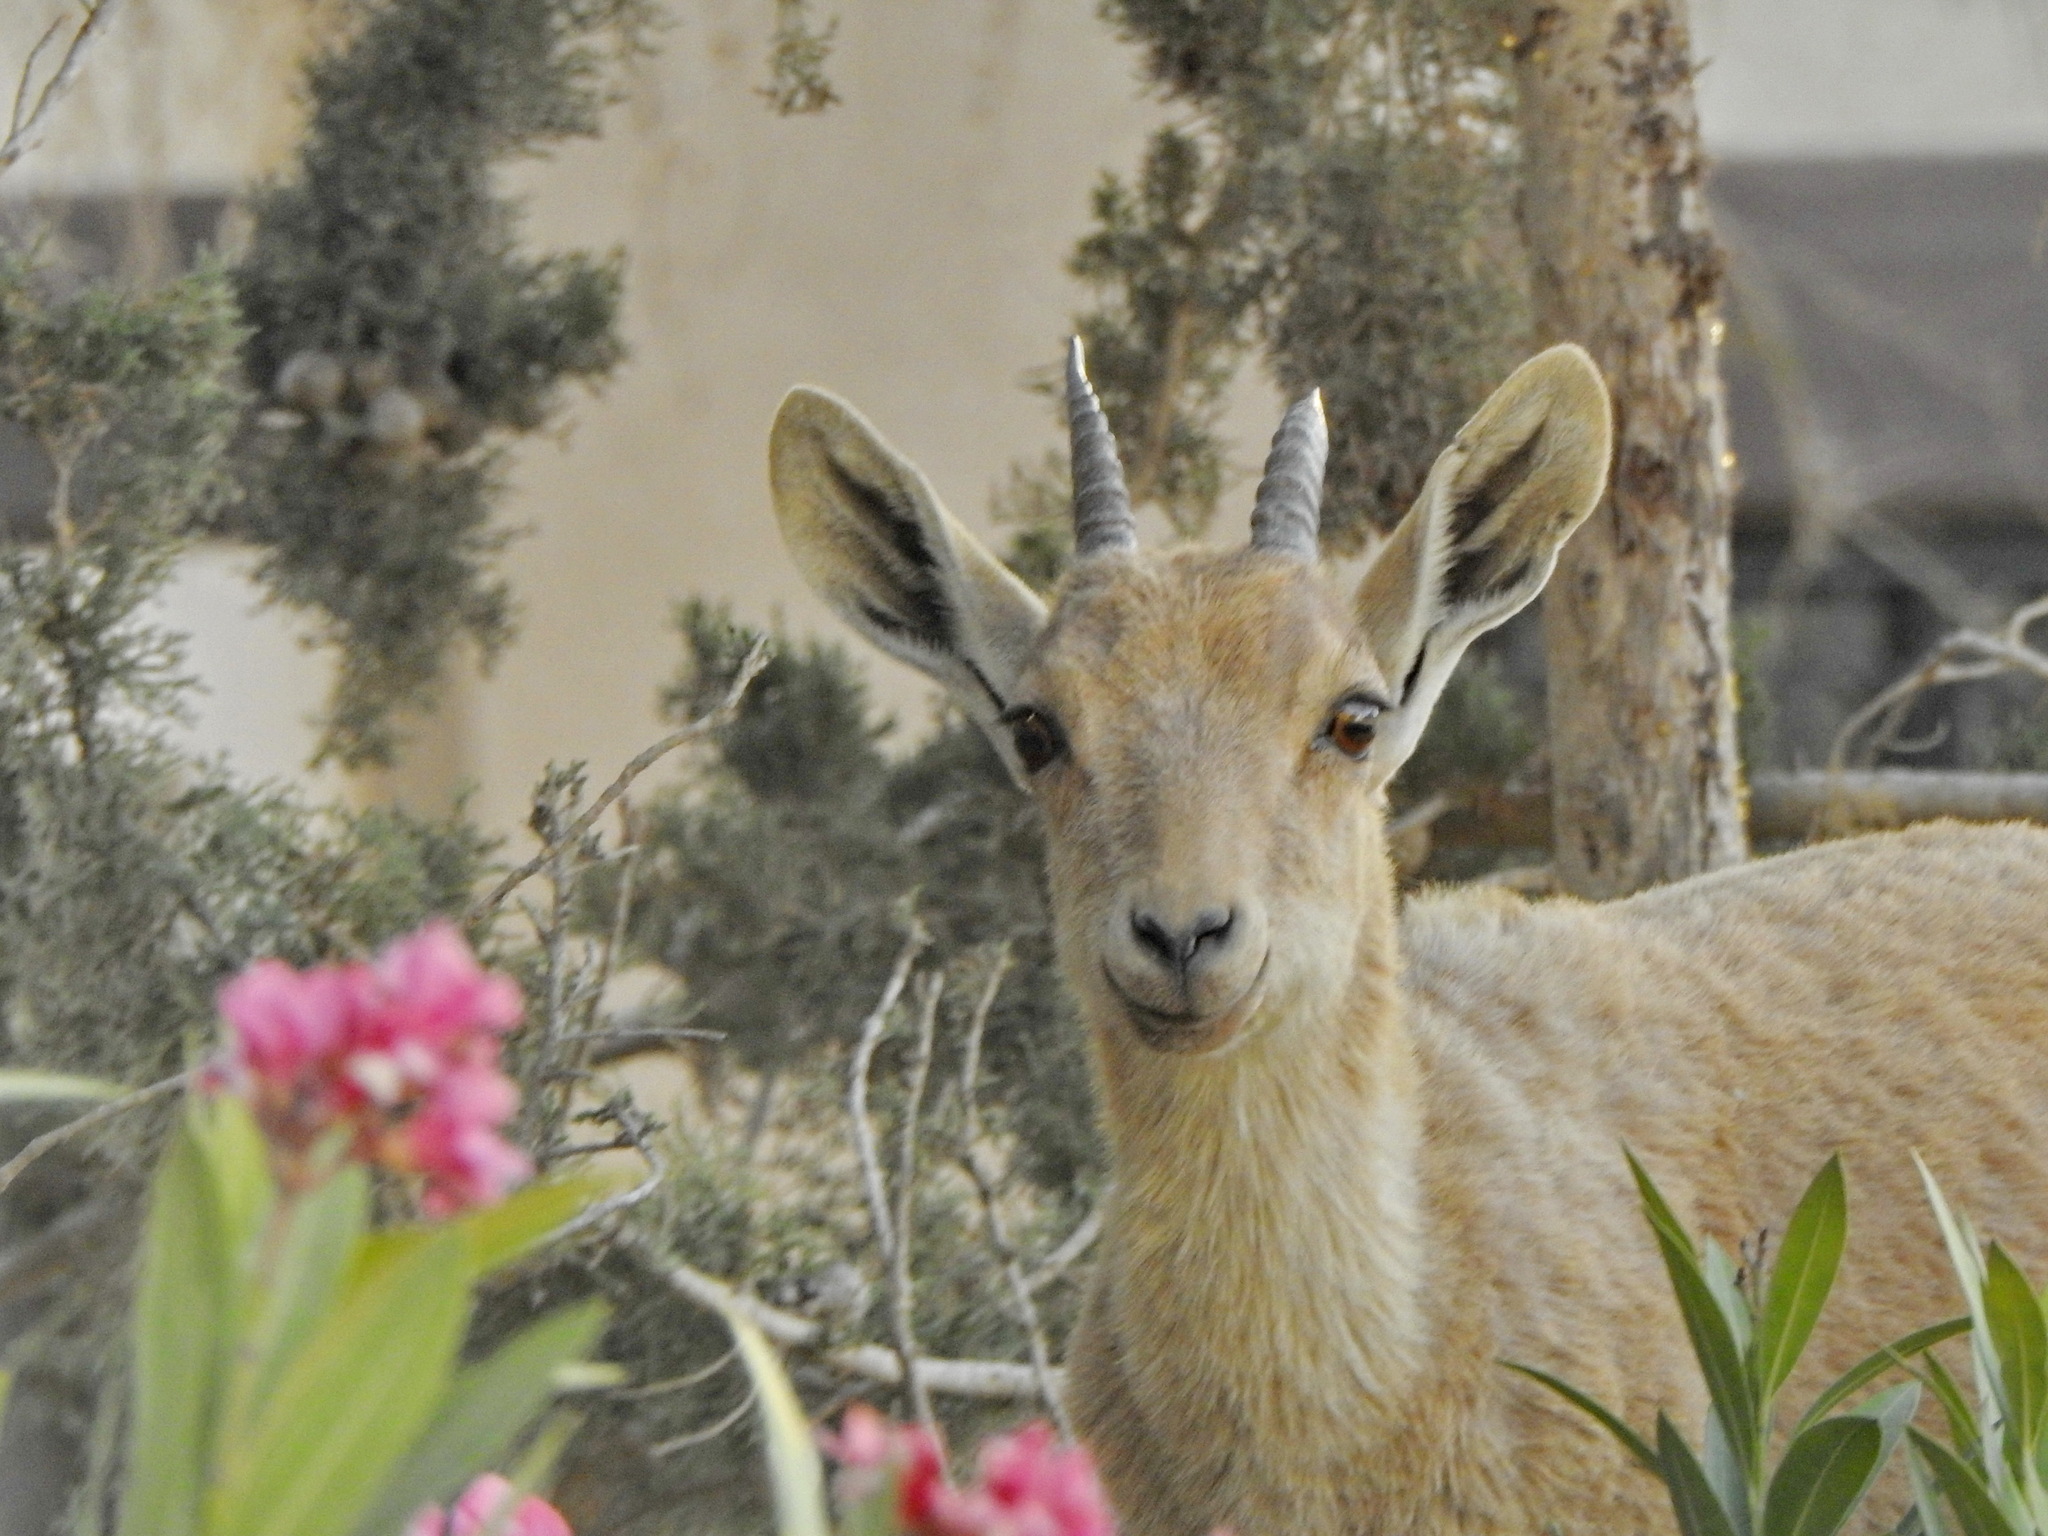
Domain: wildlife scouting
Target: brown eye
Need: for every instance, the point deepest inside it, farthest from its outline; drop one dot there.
(1352, 727)
(1035, 735)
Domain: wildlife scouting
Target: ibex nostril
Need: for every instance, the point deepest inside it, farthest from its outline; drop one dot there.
(1211, 928)
(1178, 948)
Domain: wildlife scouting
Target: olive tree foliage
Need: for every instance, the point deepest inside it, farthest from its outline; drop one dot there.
(401, 337)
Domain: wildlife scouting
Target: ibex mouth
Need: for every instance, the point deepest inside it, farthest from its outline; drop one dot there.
(1189, 1032)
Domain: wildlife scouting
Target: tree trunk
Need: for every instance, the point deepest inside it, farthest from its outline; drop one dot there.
(1645, 783)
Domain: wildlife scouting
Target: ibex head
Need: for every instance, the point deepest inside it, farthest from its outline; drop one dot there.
(1208, 732)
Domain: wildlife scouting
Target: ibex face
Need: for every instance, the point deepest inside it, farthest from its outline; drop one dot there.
(1208, 733)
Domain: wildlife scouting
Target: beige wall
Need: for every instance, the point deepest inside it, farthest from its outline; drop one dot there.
(905, 249)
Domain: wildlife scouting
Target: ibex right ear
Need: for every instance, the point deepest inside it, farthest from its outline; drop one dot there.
(872, 539)
(1483, 535)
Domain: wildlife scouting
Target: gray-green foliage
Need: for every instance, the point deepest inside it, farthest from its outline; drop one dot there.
(778, 890)
(131, 876)
(407, 336)
(1339, 198)
(134, 877)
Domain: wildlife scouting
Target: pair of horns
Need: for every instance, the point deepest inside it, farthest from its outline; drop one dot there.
(1285, 516)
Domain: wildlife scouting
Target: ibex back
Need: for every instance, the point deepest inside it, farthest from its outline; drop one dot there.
(1362, 1154)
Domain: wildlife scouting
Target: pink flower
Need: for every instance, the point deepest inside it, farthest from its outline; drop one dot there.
(1030, 1484)
(285, 1020)
(875, 1454)
(1041, 1486)
(480, 1504)
(402, 1054)
(437, 992)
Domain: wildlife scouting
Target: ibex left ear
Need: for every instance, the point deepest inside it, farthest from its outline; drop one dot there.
(1483, 535)
(871, 538)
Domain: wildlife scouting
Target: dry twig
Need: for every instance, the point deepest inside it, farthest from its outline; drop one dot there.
(1062, 1258)
(29, 118)
(1964, 656)
(902, 1293)
(871, 1029)
(704, 724)
(985, 1186)
(987, 1380)
(99, 1114)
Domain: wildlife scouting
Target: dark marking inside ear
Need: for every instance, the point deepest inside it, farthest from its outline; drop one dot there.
(900, 564)
(1470, 574)
(1414, 669)
(987, 687)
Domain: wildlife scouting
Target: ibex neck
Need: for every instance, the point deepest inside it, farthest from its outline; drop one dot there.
(1264, 1247)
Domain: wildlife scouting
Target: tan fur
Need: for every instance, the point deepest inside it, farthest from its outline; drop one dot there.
(1362, 1155)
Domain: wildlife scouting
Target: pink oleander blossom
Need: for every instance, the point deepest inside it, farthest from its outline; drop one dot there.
(400, 1055)
(1029, 1484)
(480, 1504)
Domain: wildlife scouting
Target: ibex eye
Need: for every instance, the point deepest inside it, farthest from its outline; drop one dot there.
(1352, 727)
(1036, 736)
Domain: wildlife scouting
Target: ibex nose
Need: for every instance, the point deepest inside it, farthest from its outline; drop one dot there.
(1178, 947)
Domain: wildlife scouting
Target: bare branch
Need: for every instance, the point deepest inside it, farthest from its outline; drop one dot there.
(704, 724)
(857, 1091)
(988, 1380)
(985, 1187)
(708, 1433)
(901, 1286)
(681, 1383)
(29, 118)
(1967, 655)
(15, 1166)
(1062, 1258)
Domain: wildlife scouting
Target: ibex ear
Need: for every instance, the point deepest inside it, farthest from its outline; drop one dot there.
(871, 538)
(1483, 536)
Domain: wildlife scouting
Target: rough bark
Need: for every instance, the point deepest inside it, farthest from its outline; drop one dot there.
(1645, 781)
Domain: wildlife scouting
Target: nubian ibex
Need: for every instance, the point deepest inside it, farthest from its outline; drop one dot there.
(1363, 1151)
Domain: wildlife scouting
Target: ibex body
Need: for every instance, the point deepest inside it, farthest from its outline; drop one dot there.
(1361, 1155)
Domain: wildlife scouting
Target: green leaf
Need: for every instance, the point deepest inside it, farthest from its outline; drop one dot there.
(1713, 1341)
(2020, 1337)
(492, 1237)
(488, 1405)
(1966, 1256)
(1802, 1276)
(352, 1404)
(19, 1085)
(1823, 1476)
(1963, 1428)
(1721, 1363)
(1631, 1442)
(1926, 1500)
(1977, 1513)
(196, 1237)
(1874, 1365)
(499, 1234)
(1656, 1209)
(1725, 1476)
(1692, 1497)
(793, 1463)
(313, 1255)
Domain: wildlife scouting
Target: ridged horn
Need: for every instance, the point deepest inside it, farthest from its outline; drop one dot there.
(1103, 523)
(1288, 513)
